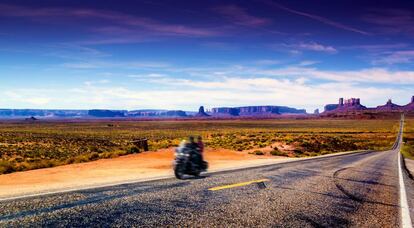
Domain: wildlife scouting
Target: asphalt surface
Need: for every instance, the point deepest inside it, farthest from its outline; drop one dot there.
(352, 190)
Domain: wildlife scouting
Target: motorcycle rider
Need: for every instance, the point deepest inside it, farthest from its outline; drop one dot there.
(200, 144)
(195, 150)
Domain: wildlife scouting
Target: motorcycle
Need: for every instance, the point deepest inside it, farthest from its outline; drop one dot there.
(186, 163)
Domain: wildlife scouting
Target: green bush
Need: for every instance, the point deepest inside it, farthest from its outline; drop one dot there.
(276, 152)
(6, 167)
(93, 156)
(258, 152)
(133, 150)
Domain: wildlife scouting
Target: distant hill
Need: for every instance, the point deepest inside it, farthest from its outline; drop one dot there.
(354, 104)
(267, 110)
(156, 113)
(106, 113)
(19, 113)
(149, 113)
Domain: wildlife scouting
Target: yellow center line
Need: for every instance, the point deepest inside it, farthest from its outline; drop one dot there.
(237, 185)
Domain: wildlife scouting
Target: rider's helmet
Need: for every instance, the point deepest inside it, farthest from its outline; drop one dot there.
(191, 139)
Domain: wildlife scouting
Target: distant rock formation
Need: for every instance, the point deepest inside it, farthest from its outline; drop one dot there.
(330, 107)
(354, 104)
(31, 119)
(174, 113)
(256, 111)
(201, 112)
(288, 110)
(316, 112)
(105, 113)
(156, 113)
(351, 104)
(389, 107)
(225, 111)
(145, 113)
(44, 113)
(410, 106)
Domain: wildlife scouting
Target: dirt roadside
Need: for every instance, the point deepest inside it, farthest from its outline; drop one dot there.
(126, 168)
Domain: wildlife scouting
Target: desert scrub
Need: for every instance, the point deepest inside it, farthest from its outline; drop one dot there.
(408, 139)
(277, 152)
(258, 152)
(408, 150)
(7, 167)
(25, 146)
(133, 150)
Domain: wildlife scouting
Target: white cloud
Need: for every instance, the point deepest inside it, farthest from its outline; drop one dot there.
(296, 49)
(111, 64)
(231, 91)
(90, 83)
(308, 63)
(296, 86)
(240, 91)
(268, 62)
(26, 97)
(369, 75)
(313, 46)
(397, 57)
(373, 75)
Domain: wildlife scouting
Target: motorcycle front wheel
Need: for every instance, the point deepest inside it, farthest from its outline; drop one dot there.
(196, 173)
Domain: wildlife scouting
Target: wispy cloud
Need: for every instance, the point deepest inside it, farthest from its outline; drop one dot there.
(114, 64)
(268, 62)
(120, 20)
(377, 47)
(90, 83)
(392, 21)
(28, 97)
(238, 15)
(313, 46)
(379, 54)
(315, 17)
(366, 75)
(369, 75)
(296, 48)
(308, 63)
(227, 91)
(231, 86)
(396, 57)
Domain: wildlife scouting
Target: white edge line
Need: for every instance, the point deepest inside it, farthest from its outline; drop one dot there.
(405, 210)
(171, 176)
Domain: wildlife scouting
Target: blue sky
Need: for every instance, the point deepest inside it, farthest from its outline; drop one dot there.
(183, 54)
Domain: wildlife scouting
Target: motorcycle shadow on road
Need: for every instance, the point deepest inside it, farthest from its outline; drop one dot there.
(188, 177)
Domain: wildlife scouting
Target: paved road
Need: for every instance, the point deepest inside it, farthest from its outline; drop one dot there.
(350, 190)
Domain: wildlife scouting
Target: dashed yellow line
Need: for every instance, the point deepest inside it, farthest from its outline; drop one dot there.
(237, 185)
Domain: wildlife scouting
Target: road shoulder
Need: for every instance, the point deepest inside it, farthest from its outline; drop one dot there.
(409, 165)
(8, 191)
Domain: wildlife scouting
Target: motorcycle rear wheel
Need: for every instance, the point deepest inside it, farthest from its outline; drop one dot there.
(178, 173)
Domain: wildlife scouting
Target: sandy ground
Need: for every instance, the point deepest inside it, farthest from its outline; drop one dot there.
(122, 169)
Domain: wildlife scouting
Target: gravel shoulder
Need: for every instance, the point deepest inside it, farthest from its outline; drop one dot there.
(409, 163)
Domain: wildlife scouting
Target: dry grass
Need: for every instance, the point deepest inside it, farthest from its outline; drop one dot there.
(26, 146)
(408, 148)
